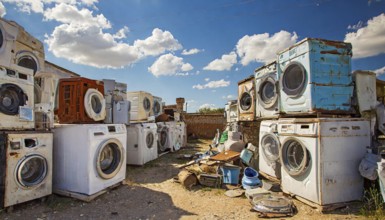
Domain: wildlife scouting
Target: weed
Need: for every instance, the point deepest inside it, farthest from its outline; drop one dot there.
(206, 189)
(373, 206)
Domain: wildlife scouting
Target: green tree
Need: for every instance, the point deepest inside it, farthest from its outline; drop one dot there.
(211, 110)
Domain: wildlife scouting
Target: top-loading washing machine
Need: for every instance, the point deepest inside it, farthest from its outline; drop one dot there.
(269, 147)
(315, 77)
(266, 80)
(25, 166)
(89, 157)
(157, 107)
(246, 99)
(81, 100)
(142, 143)
(8, 35)
(16, 98)
(141, 105)
(320, 158)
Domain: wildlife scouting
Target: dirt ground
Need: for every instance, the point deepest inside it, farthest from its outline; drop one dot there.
(150, 193)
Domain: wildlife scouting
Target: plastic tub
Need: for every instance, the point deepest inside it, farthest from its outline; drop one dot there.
(230, 174)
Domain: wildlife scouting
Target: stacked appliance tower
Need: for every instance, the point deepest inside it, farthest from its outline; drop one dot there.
(26, 140)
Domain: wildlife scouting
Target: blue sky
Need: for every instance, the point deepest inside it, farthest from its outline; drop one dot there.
(196, 49)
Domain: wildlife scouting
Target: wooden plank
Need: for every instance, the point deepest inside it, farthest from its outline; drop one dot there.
(226, 156)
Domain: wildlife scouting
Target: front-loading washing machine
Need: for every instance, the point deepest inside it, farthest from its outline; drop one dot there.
(141, 105)
(173, 134)
(81, 100)
(157, 107)
(246, 99)
(142, 143)
(315, 77)
(320, 158)
(16, 98)
(8, 35)
(266, 80)
(181, 134)
(89, 157)
(28, 51)
(164, 137)
(25, 166)
(269, 147)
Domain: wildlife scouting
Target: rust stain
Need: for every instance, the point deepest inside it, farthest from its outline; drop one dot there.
(14, 154)
(335, 52)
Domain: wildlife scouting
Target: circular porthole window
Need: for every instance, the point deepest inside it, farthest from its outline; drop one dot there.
(31, 170)
(270, 148)
(293, 79)
(267, 94)
(95, 105)
(246, 101)
(146, 104)
(156, 107)
(150, 140)
(29, 62)
(11, 98)
(163, 140)
(110, 159)
(295, 157)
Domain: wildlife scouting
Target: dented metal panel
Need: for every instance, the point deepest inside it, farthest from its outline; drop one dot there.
(327, 82)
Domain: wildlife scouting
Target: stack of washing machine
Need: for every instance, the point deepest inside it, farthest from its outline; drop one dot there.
(90, 140)
(142, 133)
(310, 138)
(25, 138)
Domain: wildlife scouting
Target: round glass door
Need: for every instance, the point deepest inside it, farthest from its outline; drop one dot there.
(150, 139)
(146, 104)
(156, 107)
(29, 62)
(295, 157)
(246, 101)
(11, 97)
(293, 79)
(110, 158)
(31, 170)
(163, 140)
(267, 94)
(270, 148)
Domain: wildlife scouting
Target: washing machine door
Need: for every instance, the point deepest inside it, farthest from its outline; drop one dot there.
(270, 148)
(156, 107)
(267, 92)
(109, 158)
(295, 158)
(146, 104)
(150, 138)
(293, 80)
(163, 139)
(31, 170)
(28, 60)
(95, 105)
(246, 101)
(11, 98)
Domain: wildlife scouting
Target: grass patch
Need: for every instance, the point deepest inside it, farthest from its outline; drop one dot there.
(373, 207)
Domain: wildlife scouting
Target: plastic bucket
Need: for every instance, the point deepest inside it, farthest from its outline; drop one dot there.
(230, 174)
(250, 179)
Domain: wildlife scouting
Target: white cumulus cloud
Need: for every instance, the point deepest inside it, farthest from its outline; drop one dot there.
(191, 51)
(207, 105)
(37, 6)
(369, 40)
(212, 84)
(159, 42)
(263, 47)
(2, 10)
(224, 63)
(229, 97)
(168, 64)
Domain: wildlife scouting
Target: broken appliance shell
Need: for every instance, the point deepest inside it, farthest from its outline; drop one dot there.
(141, 105)
(246, 99)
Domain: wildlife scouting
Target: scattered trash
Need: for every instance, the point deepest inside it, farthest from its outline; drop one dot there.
(210, 180)
(271, 186)
(230, 174)
(232, 193)
(187, 179)
(368, 166)
(250, 179)
(226, 156)
(381, 177)
(273, 206)
(251, 193)
(246, 156)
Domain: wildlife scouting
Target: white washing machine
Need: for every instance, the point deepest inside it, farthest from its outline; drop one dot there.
(266, 80)
(173, 134)
(164, 137)
(315, 76)
(29, 51)
(320, 158)
(141, 106)
(181, 134)
(16, 98)
(246, 99)
(157, 107)
(8, 35)
(26, 166)
(117, 105)
(45, 93)
(89, 157)
(269, 147)
(142, 143)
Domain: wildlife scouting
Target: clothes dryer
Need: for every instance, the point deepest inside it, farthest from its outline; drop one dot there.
(142, 147)
(141, 105)
(89, 157)
(315, 76)
(269, 147)
(320, 158)
(25, 165)
(81, 100)
(16, 98)
(267, 102)
(246, 99)
(8, 35)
